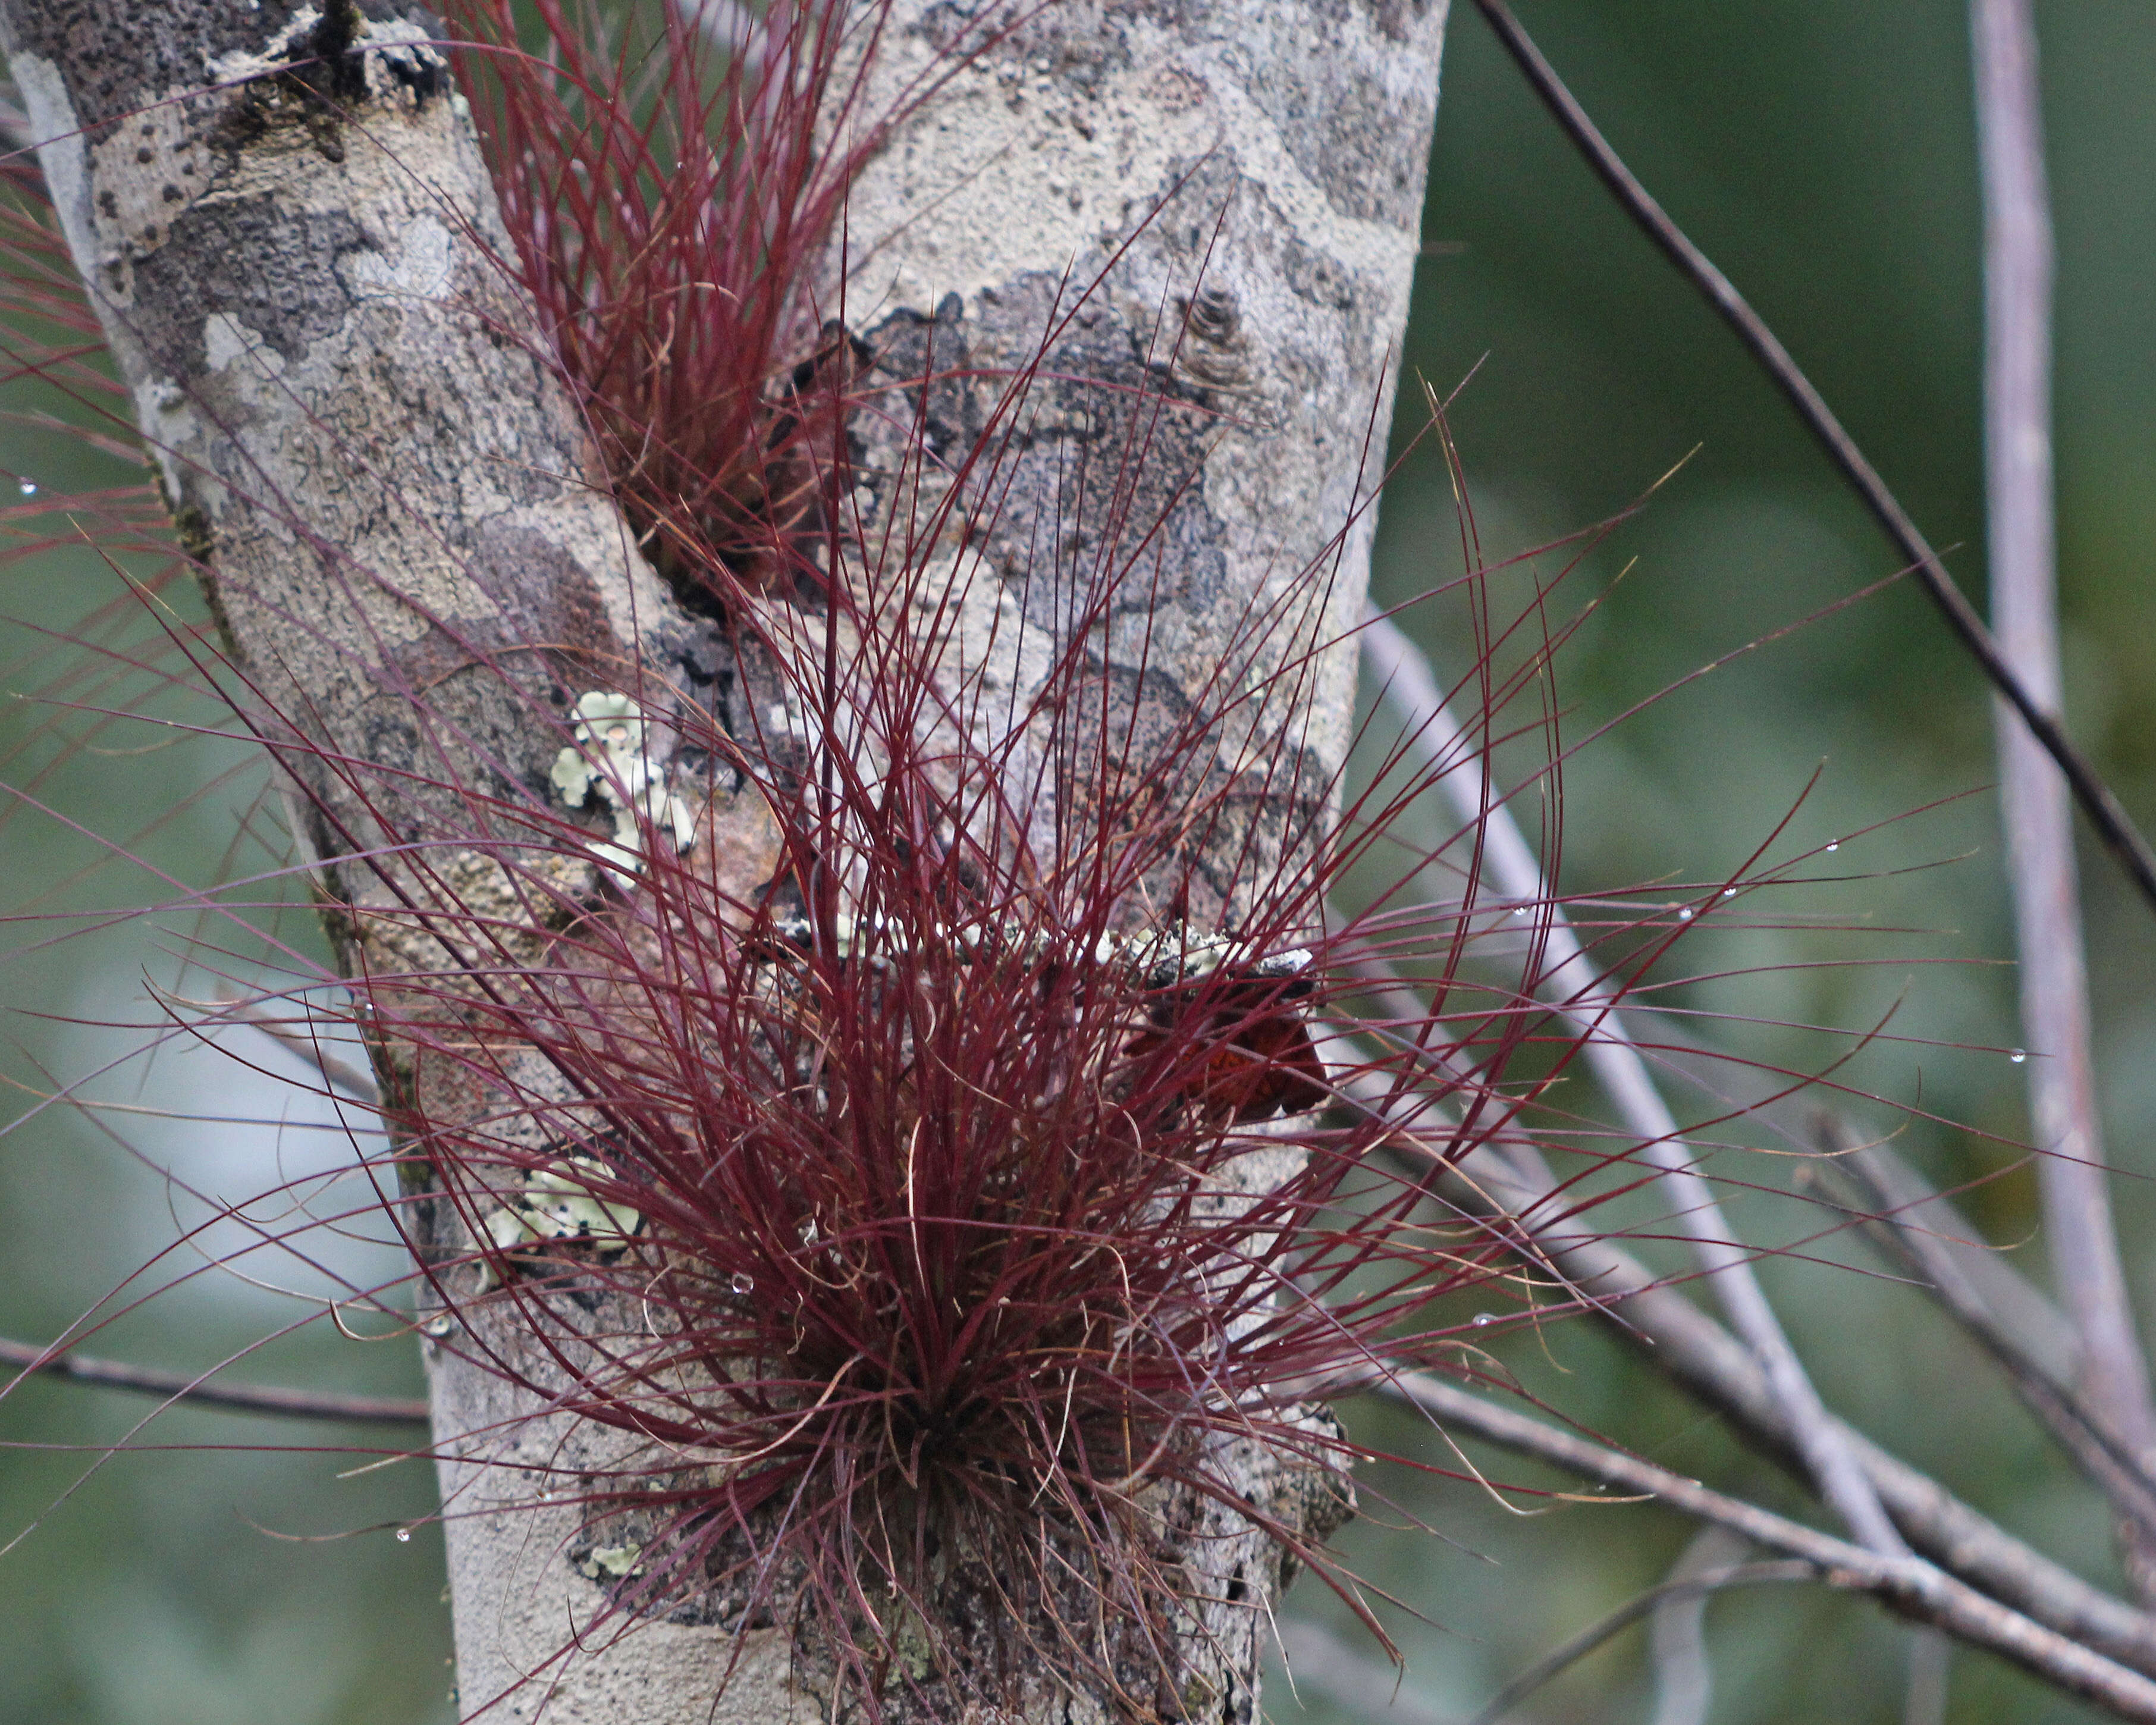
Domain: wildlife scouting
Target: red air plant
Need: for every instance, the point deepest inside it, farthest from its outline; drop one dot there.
(669, 183)
(910, 1151)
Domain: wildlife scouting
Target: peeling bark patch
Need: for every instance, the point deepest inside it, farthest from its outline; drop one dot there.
(318, 70)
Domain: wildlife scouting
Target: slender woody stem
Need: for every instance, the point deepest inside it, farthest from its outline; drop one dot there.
(1709, 1363)
(2039, 828)
(1913, 1587)
(195, 1387)
(2097, 800)
(340, 1075)
(1576, 1647)
(1930, 1660)
(1677, 1635)
(2044, 1385)
(1571, 983)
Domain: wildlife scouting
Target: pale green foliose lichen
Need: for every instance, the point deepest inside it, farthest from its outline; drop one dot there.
(610, 1562)
(556, 1205)
(611, 753)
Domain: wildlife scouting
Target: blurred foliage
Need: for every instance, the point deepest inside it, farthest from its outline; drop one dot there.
(229, 1576)
(1824, 156)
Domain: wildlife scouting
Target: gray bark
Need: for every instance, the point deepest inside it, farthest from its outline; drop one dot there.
(343, 396)
(1244, 179)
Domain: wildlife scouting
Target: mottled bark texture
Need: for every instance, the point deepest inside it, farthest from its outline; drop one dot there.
(1198, 220)
(289, 234)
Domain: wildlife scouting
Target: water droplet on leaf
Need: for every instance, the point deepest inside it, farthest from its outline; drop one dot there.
(742, 1284)
(1684, 913)
(1834, 845)
(28, 488)
(2019, 1055)
(404, 1535)
(1485, 1317)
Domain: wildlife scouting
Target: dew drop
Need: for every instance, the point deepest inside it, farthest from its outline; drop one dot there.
(28, 488)
(1834, 845)
(1684, 913)
(1485, 1317)
(1729, 892)
(2019, 1055)
(404, 1535)
(741, 1283)
(1519, 910)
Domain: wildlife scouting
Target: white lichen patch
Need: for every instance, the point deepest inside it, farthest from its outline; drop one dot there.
(554, 1205)
(616, 752)
(610, 1563)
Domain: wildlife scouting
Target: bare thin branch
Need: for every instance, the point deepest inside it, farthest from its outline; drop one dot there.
(1685, 1587)
(2103, 807)
(338, 1073)
(2034, 799)
(1684, 1674)
(194, 1387)
(1931, 1655)
(1705, 1360)
(1898, 1205)
(1572, 982)
(1911, 1586)
(2043, 1381)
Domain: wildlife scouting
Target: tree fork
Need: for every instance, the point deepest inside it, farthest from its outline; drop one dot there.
(286, 227)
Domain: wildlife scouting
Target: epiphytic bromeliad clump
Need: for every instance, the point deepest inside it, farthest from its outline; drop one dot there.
(896, 1135)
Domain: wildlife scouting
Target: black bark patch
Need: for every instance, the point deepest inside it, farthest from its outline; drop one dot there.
(328, 62)
(265, 266)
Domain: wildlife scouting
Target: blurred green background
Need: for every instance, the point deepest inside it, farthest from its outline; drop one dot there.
(1823, 155)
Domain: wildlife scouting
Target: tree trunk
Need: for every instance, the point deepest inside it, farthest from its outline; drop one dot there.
(288, 232)
(1243, 182)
